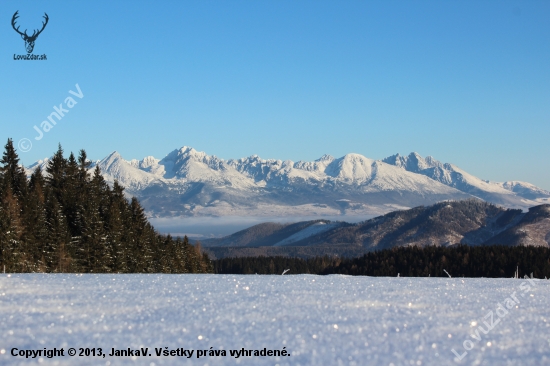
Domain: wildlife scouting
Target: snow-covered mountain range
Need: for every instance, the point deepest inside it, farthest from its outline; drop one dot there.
(191, 183)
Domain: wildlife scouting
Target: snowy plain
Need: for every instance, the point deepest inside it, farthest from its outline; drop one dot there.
(320, 320)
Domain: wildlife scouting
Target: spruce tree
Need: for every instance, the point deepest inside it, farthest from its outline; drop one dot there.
(71, 196)
(117, 234)
(12, 247)
(55, 257)
(13, 175)
(140, 238)
(14, 189)
(97, 255)
(36, 229)
(56, 170)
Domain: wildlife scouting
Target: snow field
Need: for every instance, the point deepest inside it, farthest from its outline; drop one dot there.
(319, 320)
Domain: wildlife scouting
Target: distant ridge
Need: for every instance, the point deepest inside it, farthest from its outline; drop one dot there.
(470, 222)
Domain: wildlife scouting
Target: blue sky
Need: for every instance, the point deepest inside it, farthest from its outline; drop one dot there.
(467, 82)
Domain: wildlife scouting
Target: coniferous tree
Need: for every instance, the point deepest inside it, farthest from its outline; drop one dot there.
(55, 257)
(55, 179)
(117, 234)
(36, 229)
(141, 238)
(13, 175)
(93, 234)
(13, 251)
(71, 193)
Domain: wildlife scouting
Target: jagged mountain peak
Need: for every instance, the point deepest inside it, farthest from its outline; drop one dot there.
(413, 162)
(114, 155)
(394, 160)
(509, 194)
(42, 163)
(148, 161)
(325, 157)
(188, 150)
(183, 153)
(112, 158)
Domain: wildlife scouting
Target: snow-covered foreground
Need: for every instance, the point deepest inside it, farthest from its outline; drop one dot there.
(330, 320)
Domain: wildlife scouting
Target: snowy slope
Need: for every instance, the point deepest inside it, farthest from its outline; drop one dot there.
(314, 229)
(511, 194)
(319, 320)
(42, 163)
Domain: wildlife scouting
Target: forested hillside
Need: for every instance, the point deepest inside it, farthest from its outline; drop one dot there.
(447, 223)
(68, 220)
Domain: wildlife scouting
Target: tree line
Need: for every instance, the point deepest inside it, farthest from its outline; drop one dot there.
(431, 261)
(68, 220)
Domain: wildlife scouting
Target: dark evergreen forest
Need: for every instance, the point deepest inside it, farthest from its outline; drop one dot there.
(69, 220)
(459, 261)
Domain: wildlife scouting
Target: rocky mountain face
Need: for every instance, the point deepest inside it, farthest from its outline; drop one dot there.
(506, 194)
(191, 183)
(471, 222)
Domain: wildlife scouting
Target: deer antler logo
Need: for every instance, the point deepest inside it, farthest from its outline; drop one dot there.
(29, 40)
